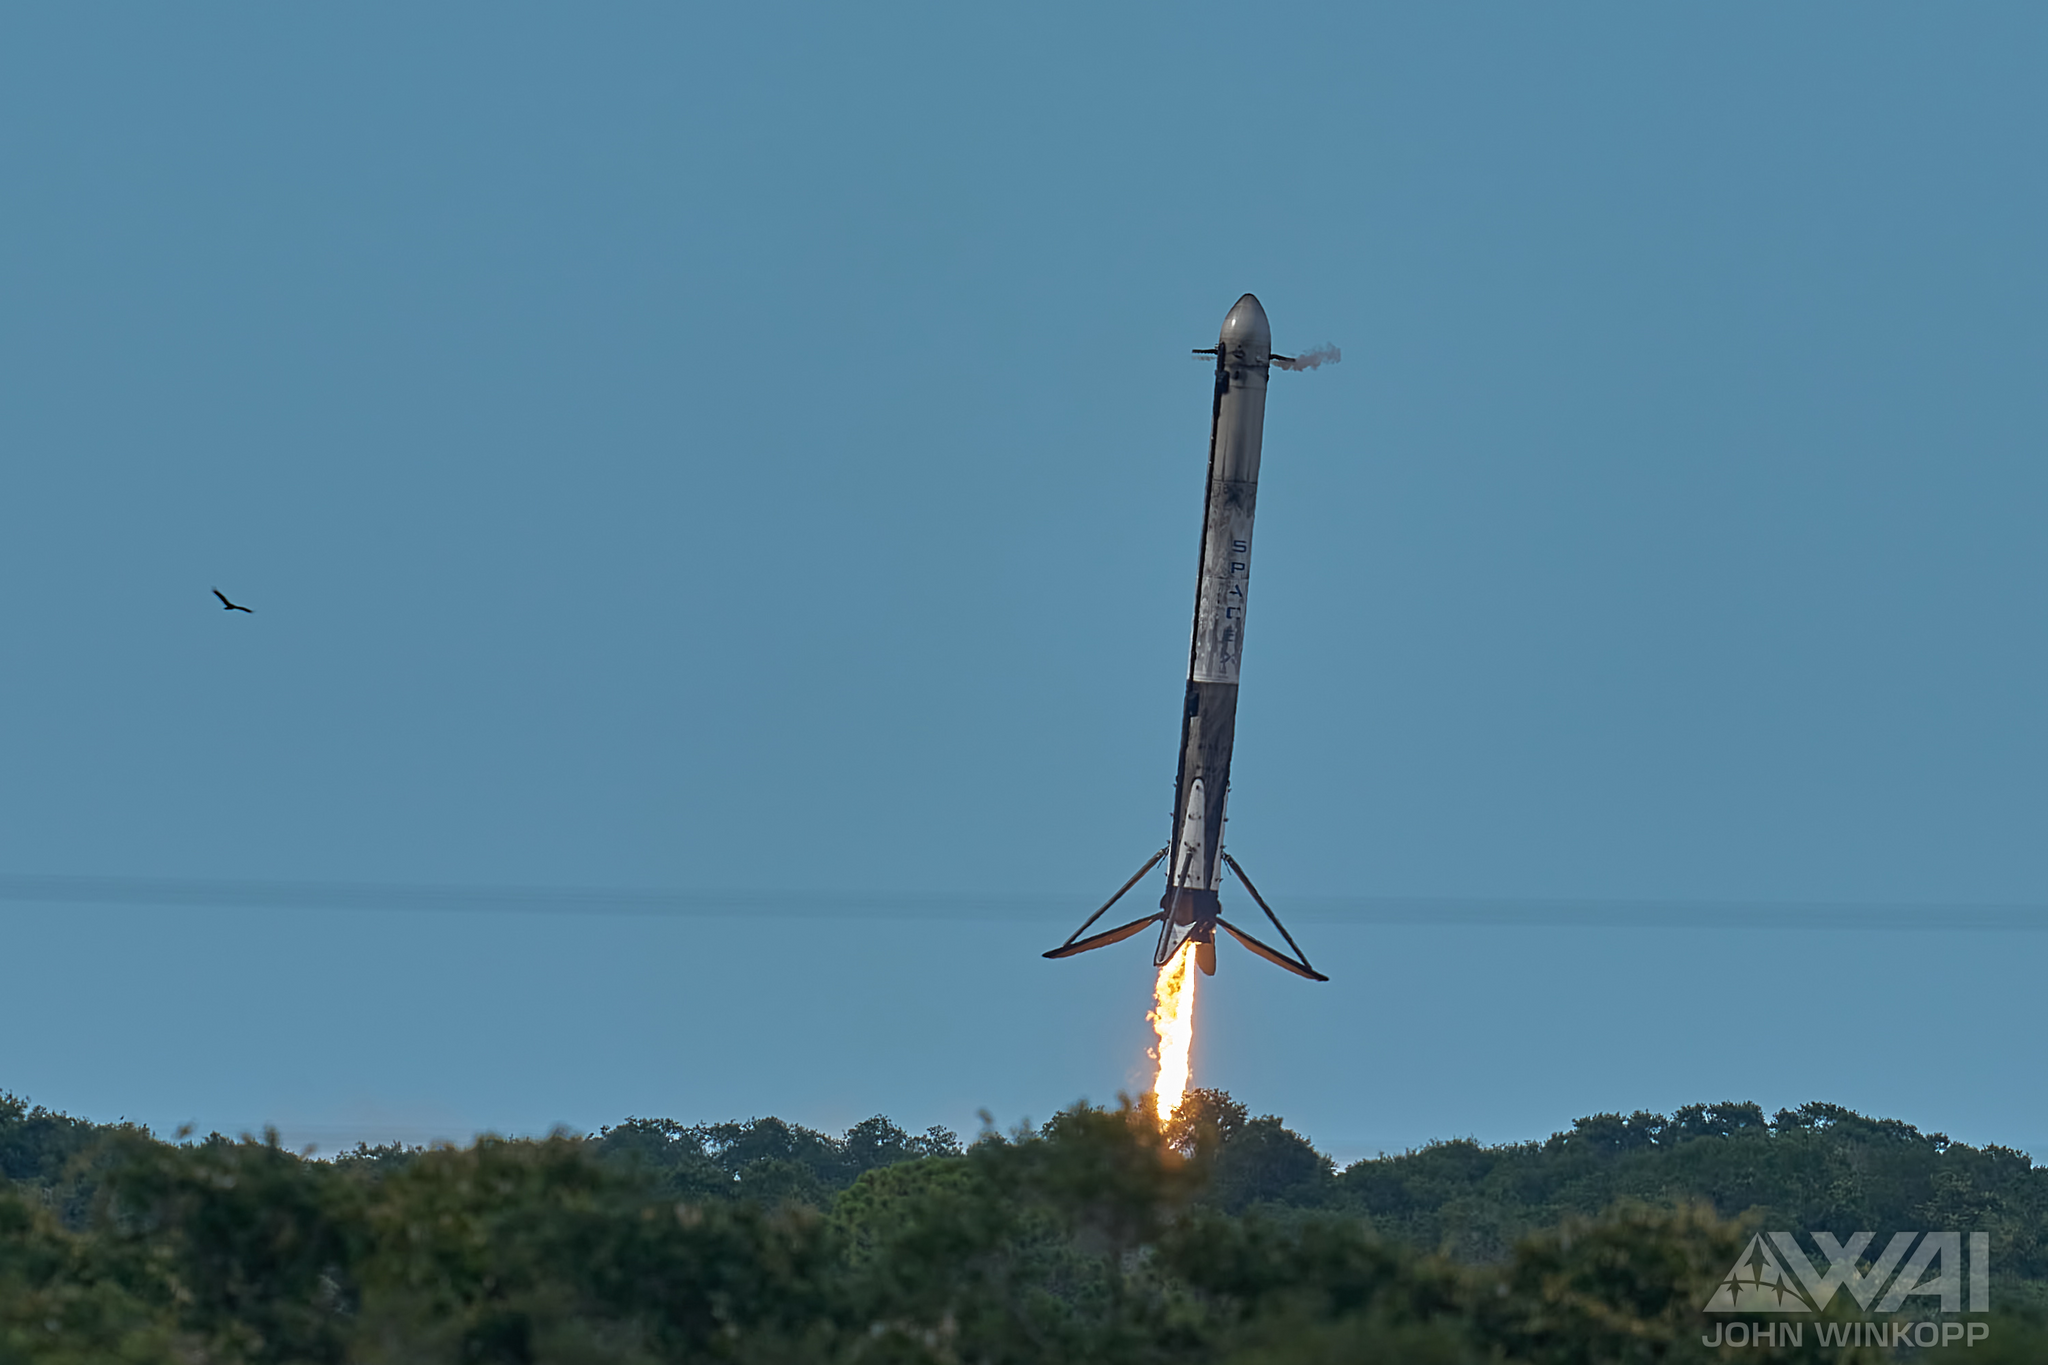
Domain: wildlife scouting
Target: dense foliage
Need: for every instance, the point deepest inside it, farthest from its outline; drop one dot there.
(1226, 1238)
(1818, 1166)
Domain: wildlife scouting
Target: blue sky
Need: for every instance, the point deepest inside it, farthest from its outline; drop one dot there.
(756, 451)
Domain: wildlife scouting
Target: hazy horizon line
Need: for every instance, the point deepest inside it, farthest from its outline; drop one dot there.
(1446, 911)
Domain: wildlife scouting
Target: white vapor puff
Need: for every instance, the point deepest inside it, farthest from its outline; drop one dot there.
(1321, 355)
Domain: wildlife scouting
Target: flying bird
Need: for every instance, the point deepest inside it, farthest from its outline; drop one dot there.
(227, 605)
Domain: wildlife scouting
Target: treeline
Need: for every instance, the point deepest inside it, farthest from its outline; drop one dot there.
(1816, 1167)
(1097, 1237)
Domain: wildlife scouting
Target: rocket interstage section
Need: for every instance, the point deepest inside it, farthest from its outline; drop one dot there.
(1190, 909)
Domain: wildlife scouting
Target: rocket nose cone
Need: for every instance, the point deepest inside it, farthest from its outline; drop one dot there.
(1245, 325)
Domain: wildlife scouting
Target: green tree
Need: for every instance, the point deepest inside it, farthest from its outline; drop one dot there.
(61, 1303)
(247, 1245)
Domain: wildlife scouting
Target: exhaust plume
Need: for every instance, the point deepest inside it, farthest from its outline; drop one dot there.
(1321, 355)
(1173, 1019)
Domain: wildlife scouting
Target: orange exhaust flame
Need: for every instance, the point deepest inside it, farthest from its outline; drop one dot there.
(1173, 1019)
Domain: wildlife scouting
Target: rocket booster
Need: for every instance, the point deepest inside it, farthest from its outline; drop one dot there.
(1190, 908)
(1223, 581)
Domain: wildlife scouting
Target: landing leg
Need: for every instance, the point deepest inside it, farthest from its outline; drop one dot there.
(1298, 953)
(1076, 944)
